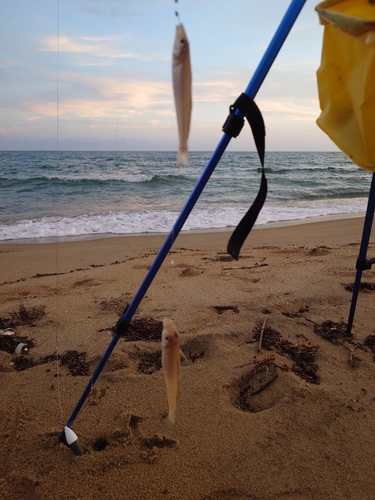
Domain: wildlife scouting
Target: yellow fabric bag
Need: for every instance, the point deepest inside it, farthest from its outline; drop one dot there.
(346, 78)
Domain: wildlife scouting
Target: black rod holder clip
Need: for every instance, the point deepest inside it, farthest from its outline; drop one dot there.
(364, 265)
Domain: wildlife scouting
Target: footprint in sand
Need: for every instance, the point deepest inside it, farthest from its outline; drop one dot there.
(96, 395)
(189, 272)
(86, 282)
(319, 251)
(259, 389)
(149, 362)
(197, 348)
(131, 434)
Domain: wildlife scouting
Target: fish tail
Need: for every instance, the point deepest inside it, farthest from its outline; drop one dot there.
(170, 421)
(182, 159)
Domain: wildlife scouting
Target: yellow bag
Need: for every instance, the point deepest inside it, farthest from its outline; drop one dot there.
(346, 78)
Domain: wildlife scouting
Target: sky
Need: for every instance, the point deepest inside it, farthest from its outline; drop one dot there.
(96, 74)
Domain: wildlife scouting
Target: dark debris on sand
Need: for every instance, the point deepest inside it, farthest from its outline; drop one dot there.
(370, 342)
(8, 343)
(23, 316)
(150, 363)
(221, 309)
(365, 286)
(22, 363)
(76, 363)
(303, 356)
(74, 360)
(333, 332)
(145, 329)
(27, 316)
(297, 314)
(271, 337)
(306, 370)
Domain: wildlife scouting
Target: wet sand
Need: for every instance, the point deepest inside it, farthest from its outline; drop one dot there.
(291, 416)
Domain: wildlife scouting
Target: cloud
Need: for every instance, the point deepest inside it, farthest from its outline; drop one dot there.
(11, 130)
(105, 47)
(214, 91)
(88, 96)
(97, 51)
(293, 109)
(31, 118)
(129, 9)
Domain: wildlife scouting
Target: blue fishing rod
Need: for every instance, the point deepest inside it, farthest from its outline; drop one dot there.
(123, 324)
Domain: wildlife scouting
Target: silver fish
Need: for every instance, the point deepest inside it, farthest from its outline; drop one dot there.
(170, 358)
(181, 71)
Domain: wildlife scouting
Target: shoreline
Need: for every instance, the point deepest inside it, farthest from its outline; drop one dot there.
(64, 256)
(94, 237)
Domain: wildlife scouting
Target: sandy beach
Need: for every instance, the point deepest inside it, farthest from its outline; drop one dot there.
(290, 415)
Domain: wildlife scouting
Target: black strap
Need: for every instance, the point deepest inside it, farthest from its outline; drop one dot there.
(233, 127)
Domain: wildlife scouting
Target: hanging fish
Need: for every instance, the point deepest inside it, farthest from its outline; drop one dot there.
(170, 358)
(181, 72)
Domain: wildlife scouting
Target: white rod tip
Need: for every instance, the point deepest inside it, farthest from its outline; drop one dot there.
(72, 441)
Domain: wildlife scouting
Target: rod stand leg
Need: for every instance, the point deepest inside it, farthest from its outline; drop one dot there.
(362, 263)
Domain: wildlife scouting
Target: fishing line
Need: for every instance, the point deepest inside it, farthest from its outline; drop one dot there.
(119, 103)
(57, 200)
(176, 13)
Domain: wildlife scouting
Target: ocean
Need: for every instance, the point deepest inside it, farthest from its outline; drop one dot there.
(70, 195)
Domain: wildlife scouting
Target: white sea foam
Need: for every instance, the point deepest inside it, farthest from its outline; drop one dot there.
(102, 177)
(152, 221)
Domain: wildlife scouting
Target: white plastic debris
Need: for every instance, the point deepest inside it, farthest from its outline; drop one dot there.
(7, 331)
(19, 348)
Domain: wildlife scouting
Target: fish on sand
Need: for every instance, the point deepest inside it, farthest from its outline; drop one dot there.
(181, 72)
(170, 357)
